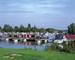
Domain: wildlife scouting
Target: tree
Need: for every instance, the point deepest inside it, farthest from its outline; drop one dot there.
(22, 29)
(16, 29)
(41, 30)
(29, 28)
(7, 28)
(29, 25)
(0, 28)
(50, 30)
(71, 28)
(34, 29)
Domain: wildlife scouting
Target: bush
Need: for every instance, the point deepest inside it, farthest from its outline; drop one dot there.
(66, 48)
(55, 46)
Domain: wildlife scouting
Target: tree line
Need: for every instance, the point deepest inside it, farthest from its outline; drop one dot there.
(29, 28)
(21, 28)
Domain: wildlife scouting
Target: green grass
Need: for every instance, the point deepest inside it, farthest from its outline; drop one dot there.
(28, 54)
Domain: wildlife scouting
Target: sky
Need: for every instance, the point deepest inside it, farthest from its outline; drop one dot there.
(42, 13)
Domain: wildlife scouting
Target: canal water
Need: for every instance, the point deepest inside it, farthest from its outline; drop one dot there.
(4, 44)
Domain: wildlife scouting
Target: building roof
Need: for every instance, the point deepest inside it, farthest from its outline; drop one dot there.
(70, 36)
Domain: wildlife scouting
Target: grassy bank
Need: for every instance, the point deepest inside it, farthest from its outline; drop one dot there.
(28, 54)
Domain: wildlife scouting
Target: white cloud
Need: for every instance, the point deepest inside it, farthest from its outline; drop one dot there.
(18, 6)
(50, 12)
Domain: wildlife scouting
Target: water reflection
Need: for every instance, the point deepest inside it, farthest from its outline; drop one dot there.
(4, 44)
